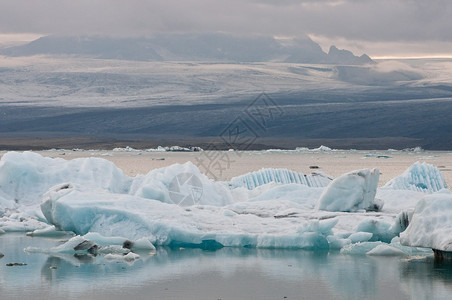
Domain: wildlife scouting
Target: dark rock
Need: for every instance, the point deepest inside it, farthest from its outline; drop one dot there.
(442, 256)
(15, 264)
(127, 244)
(89, 246)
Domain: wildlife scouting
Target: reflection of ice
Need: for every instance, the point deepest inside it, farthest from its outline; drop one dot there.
(424, 279)
(339, 276)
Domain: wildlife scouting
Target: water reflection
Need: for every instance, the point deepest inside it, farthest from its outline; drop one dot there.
(199, 274)
(426, 278)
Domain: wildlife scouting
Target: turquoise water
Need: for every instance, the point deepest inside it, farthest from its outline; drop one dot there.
(228, 273)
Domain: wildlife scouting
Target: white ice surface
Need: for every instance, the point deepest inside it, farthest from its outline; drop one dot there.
(183, 185)
(168, 224)
(25, 177)
(431, 224)
(351, 192)
(386, 250)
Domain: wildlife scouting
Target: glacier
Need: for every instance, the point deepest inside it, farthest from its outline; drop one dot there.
(178, 206)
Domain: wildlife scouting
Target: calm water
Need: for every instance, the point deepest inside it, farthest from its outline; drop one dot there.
(223, 274)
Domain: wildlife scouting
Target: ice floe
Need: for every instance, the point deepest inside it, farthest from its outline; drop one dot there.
(420, 177)
(178, 206)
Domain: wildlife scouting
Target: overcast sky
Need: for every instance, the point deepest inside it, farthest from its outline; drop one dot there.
(376, 27)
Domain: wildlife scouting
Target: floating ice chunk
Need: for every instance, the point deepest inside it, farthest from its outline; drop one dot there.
(265, 176)
(126, 149)
(322, 149)
(386, 250)
(49, 231)
(352, 192)
(412, 251)
(359, 237)
(337, 243)
(431, 224)
(142, 244)
(112, 249)
(104, 241)
(380, 229)
(82, 245)
(108, 241)
(419, 177)
(360, 248)
(129, 257)
(25, 177)
(206, 227)
(21, 222)
(181, 184)
(158, 149)
(77, 244)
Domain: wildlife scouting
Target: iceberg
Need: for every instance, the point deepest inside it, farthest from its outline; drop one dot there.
(25, 177)
(129, 257)
(360, 248)
(359, 237)
(419, 177)
(386, 250)
(50, 231)
(181, 184)
(322, 149)
(431, 223)
(94, 244)
(132, 217)
(178, 206)
(353, 191)
(264, 176)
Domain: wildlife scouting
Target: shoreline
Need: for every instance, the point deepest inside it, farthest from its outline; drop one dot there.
(44, 141)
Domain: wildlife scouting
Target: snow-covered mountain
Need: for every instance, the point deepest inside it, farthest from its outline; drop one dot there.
(385, 105)
(189, 47)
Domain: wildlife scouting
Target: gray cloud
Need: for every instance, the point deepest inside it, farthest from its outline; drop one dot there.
(371, 20)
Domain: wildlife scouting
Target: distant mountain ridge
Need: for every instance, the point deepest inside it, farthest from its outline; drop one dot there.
(189, 47)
